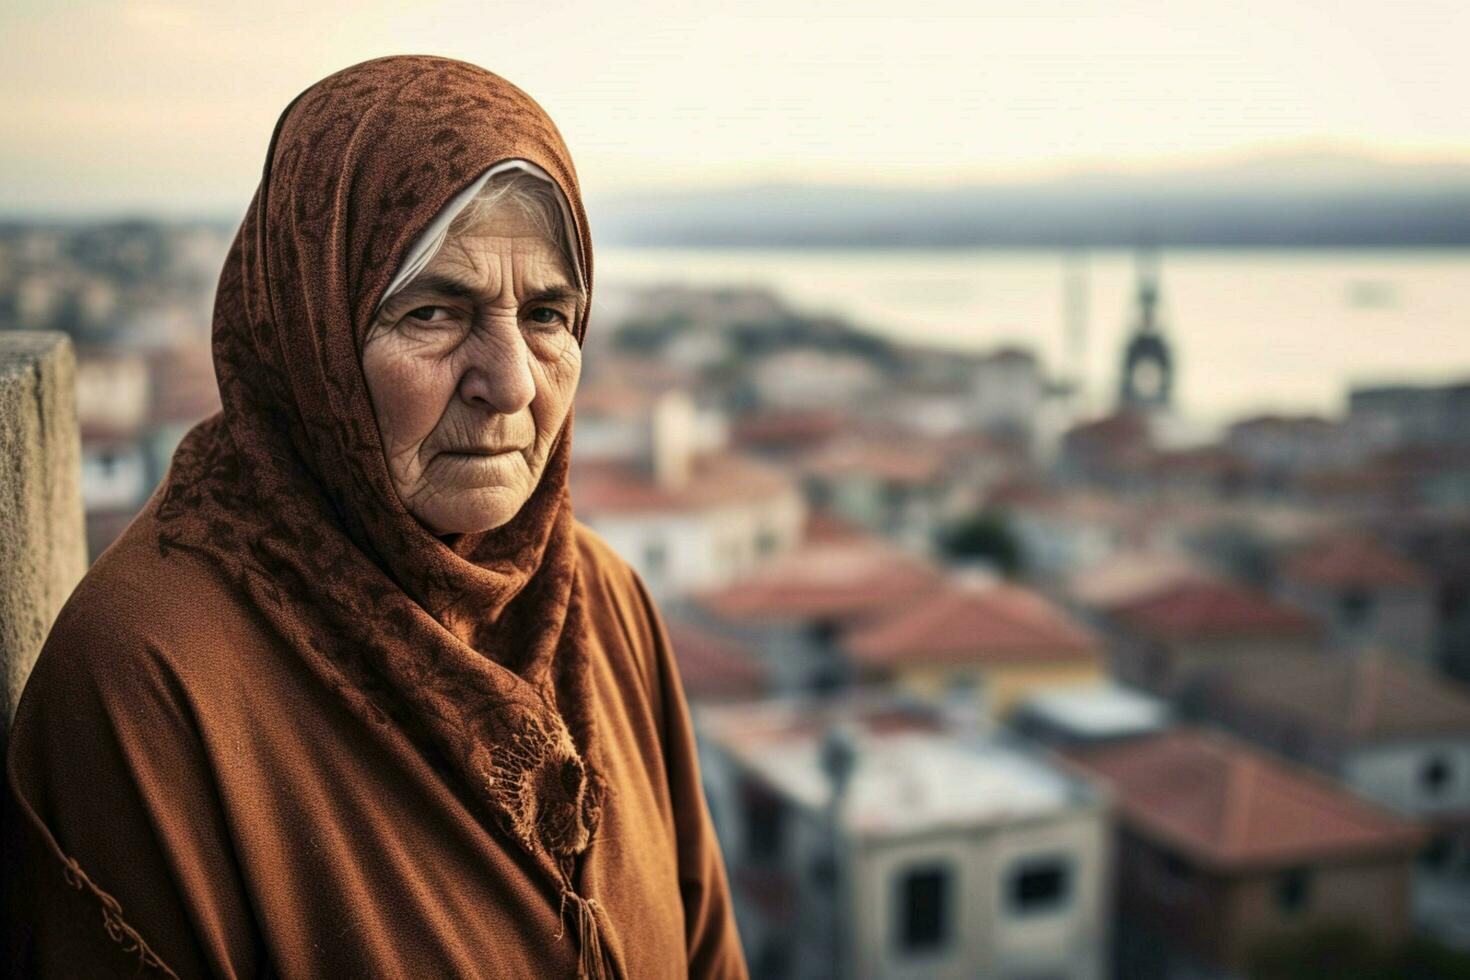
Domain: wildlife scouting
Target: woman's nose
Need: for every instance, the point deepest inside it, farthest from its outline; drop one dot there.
(498, 374)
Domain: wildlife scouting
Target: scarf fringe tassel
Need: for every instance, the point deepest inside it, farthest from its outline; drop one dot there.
(591, 962)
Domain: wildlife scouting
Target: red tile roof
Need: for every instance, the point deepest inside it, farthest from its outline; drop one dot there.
(712, 666)
(1123, 429)
(913, 461)
(1132, 574)
(769, 724)
(615, 397)
(823, 525)
(644, 372)
(1343, 560)
(1212, 461)
(787, 429)
(1371, 695)
(1276, 423)
(715, 479)
(840, 578)
(1235, 808)
(975, 623)
(1204, 610)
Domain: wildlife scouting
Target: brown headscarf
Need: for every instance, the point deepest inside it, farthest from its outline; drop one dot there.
(280, 728)
(288, 491)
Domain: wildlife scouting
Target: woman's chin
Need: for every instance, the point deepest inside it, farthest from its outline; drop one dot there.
(473, 511)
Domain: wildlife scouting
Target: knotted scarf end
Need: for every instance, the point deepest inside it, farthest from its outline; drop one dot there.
(591, 962)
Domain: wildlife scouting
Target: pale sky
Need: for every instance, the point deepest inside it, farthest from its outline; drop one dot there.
(164, 105)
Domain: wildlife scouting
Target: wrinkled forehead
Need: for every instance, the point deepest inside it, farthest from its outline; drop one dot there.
(368, 167)
(423, 249)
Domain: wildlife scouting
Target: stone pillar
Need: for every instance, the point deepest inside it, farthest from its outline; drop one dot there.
(43, 547)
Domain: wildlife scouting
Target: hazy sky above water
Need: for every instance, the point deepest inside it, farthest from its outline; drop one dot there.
(1258, 330)
(169, 106)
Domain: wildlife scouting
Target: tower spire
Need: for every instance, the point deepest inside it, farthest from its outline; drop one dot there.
(1147, 379)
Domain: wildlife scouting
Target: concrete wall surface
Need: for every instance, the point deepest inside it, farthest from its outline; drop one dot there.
(43, 549)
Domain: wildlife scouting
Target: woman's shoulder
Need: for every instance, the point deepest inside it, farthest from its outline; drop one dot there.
(108, 761)
(619, 598)
(604, 567)
(112, 680)
(137, 615)
(600, 561)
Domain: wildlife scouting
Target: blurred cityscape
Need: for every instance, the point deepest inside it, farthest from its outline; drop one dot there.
(990, 679)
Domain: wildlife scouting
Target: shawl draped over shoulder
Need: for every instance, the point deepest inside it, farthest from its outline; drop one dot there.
(281, 729)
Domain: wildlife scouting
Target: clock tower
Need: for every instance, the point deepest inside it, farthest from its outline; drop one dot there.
(1147, 380)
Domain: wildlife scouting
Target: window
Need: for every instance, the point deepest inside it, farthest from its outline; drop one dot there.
(823, 870)
(774, 959)
(1294, 741)
(818, 494)
(894, 494)
(1037, 886)
(1294, 890)
(822, 631)
(764, 823)
(1438, 853)
(1155, 664)
(1435, 775)
(1175, 868)
(1172, 875)
(922, 908)
(827, 677)
(1354, 606)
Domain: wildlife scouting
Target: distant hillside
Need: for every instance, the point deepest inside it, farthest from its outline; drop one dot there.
(1316, 200)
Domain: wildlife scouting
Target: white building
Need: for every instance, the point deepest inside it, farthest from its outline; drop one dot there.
(794, 610)
(114, 391)
(694, 522)
(802, 377)
(1006, 392)
(945, 855)
(114, 394)
(1091, 714)
(650, 474)
(1280, 447)
(114, 475)
(1061, 533)
(621, 419)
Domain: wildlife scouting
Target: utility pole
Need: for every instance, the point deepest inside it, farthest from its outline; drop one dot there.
(839, 758)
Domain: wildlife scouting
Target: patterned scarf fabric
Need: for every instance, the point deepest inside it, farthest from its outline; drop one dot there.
(473, 645)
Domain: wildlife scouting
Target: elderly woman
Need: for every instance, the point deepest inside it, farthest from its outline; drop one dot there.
(356, 695)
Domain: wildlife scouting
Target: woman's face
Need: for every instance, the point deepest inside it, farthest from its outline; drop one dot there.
(471, 368)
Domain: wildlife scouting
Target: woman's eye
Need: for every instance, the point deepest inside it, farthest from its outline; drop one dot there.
(545, 314)
(425, 314)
